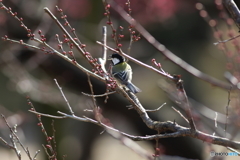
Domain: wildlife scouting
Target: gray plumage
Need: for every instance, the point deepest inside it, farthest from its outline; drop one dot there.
(122, 72)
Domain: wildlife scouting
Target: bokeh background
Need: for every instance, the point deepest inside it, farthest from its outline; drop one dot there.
(175, 23)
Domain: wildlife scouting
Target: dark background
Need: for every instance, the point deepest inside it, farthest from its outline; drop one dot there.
(174, 23)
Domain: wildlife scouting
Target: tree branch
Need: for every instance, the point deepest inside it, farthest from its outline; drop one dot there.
(233, 10)
(178, 131)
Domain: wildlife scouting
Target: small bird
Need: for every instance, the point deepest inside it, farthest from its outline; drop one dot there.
(122, 72)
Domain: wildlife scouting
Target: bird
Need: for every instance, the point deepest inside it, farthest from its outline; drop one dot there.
(122, 72)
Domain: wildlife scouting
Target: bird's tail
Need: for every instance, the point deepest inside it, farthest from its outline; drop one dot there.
(133, 88)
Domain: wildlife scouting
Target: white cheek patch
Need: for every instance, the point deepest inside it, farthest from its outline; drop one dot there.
(115, 61)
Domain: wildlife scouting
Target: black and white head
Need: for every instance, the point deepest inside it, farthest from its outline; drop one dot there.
(116, 58)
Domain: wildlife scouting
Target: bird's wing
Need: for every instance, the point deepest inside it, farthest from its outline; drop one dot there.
(123, 76)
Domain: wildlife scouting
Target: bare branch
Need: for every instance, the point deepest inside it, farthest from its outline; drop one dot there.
(227, 107)
(64, 30)
(179, 131)
(233, 150)
(227, 40)
(180, 114)
(64, 97)
(57, 53)
(6, 143)
(154, 110)
(92, 92)
(37, 152)
(100, 95)
(13, 137)
(233, 10)
(103, 60)
(47, 115)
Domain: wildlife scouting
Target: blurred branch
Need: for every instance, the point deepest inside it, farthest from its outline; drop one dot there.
(233, 10)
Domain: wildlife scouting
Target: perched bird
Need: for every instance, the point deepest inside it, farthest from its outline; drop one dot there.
(122, 72)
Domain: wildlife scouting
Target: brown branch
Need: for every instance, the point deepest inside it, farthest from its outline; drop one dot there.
(40, 124)
(85, 54)
(180, 114)
(178, 131)
(100, 95)
(155, 110)
(64, 30)
(64, 97)
(6, 143)
(92, 92)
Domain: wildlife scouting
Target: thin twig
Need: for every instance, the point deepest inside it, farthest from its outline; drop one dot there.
(6, 143)
(102, 61)
(64, 17)
(92, 92)
(46, 151)
(64, 30)
(154, 110)
(54, 139)
(227, 40)
(188, 110)
(227, 107)
(47, 115)
(40, 124)
(16, 150)
(37, 152)
(184, 101)
(104, 41)
(57, 53)
(64, 97)
(100, 95)
(75, 43)
(180, 114)
(234, 150)
(14, 136)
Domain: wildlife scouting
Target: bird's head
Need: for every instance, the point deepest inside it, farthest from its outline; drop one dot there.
(116, 58)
